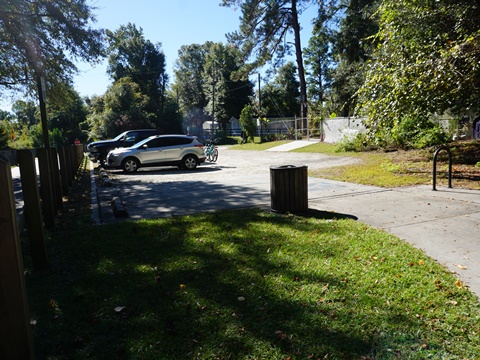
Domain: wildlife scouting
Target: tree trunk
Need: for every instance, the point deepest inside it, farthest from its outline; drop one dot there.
(301, 71)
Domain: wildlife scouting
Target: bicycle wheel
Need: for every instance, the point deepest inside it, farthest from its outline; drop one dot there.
(215, 155)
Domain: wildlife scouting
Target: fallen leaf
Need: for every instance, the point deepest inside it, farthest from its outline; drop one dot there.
(241, 298)
(119, 308)
(421, 262)
(459, 284)
(183, 286)
(461, 267)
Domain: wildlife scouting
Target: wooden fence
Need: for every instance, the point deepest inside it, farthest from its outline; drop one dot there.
(41, 205)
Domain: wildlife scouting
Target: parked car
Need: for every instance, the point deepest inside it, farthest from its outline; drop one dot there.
(183, 151)
(99, 149)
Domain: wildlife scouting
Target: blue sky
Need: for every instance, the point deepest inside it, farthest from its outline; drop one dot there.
(172, 23)
(169, 22)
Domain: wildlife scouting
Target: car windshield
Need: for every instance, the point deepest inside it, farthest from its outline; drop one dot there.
(120, 136)
(139, 144)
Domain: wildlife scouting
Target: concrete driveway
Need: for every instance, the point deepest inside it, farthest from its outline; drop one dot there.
(238, 179)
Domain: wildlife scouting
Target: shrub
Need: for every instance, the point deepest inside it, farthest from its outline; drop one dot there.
(355, 143)
(418, 133)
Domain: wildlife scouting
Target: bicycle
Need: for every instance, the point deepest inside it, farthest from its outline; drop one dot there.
(211, 151)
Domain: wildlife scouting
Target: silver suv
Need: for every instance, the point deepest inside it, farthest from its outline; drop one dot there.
(183, 151)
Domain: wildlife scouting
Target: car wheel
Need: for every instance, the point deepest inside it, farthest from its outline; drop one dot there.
(190, 162)
(130, 165)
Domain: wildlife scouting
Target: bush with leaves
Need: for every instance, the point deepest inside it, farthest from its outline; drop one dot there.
(248, 122)
(3, 136)
(418, 133)
(355, 143)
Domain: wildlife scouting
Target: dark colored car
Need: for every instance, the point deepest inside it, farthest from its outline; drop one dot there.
(99, 149)
(183, 151)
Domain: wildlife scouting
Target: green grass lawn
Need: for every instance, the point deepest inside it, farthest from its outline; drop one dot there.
(244, 284)
(256, 145)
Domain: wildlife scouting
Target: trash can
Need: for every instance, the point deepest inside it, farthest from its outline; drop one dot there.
(289, 188)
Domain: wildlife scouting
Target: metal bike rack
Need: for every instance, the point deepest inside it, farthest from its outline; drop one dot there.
(435, 166)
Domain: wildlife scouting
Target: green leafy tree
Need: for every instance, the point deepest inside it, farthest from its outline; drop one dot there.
(426, 63)
(248, 121)
(281, 97)
(132, 56)
(123, 107)
(319, 64)
(226, 97)
(189, 79)
(66, 112)
(5, 128)
(352, 48)
(263, 28)
(45, 37)
(25, 111)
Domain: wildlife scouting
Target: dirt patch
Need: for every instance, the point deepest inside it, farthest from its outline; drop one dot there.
(465, 163)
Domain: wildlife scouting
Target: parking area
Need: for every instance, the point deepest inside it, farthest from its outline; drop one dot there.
(238, 179)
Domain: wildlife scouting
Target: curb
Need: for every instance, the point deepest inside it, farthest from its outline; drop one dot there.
(118, 208)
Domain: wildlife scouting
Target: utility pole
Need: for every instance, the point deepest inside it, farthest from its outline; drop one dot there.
(43, 110)
(259, 95)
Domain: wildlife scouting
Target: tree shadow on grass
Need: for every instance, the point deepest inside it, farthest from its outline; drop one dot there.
(239, 286)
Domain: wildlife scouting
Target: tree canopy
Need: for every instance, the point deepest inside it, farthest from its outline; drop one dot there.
(205, 83)
(45, 37)
(133, 56)
(138, 69)
(426, 62)
(262, 36)
(189, 71)
(281, 97)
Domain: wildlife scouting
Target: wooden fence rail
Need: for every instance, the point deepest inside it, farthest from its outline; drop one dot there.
(15, 331)
(57, 172)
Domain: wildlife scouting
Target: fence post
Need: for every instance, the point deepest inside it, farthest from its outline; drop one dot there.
(79, 152)
(68, 162)
(33, 212)
(73, 160)
(15, 331)
(63, 171)
(46, 188)
(56, 178)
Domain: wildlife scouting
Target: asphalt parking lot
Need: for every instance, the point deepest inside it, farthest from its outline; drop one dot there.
(238, 179)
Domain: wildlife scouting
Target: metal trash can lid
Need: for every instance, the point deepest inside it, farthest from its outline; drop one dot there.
(287, 167)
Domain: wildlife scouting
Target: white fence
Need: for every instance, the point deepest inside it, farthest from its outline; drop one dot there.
(330, 130)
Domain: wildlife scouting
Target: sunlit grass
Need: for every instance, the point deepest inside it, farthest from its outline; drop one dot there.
(247, 284)
(258, 146)
(375, 168)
